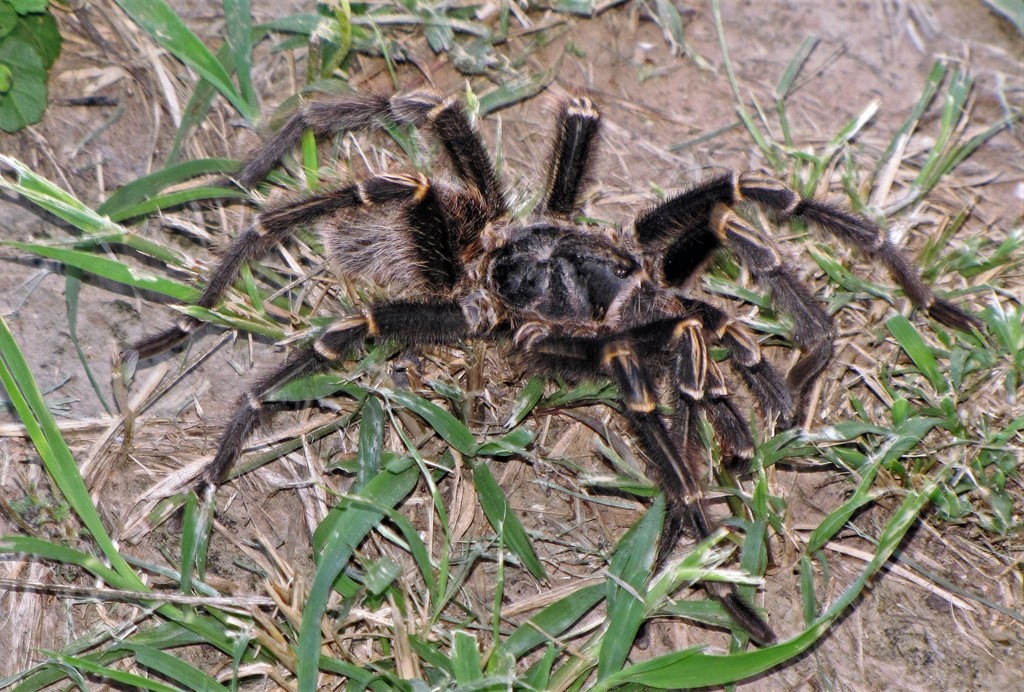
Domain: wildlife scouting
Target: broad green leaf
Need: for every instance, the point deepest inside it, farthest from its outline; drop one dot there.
(25, 101)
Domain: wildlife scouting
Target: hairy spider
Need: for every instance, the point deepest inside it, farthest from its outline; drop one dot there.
(573, 300)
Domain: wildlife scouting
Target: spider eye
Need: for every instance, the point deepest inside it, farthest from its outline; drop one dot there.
(622, 271)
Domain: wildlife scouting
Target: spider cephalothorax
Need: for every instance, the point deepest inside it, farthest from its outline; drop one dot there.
(571, 300)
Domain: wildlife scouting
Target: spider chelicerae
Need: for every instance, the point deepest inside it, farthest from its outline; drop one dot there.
(572, 300)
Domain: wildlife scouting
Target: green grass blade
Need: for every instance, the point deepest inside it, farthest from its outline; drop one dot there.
(119, 677)
(414, 544)
(198, 106)
(690, 668)
(238, 18)
(553, 620)
(53, 199)
(45, 550)
(628, 573)
(371, 442)
(466, 659)
(166, 28)
(528, 398)
(176, 199)
(173, 668)
(915, 347)
(110, 269)
(504, 520)
(72, 286)
(146, 247)
(24, 394)
(150, 185)
(335, 539)
(447, 426)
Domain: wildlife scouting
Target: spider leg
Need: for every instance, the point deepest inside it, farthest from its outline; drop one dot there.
(760, 377)
(426, 217)
(619, 359)
(813, 331)
(578, 125)
(679, 225)
(447, 118)
(407, 322)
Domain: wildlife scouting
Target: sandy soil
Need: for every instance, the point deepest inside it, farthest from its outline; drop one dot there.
(900, 634)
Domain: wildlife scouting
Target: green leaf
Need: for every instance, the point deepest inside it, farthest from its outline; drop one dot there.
(25, 101)
(513, 444)
(124, 679)
(692, 668)
(29, 6)
(150, 185)
(238, 17)
(53, 199)
(42, 33)
(335, 539)
(8, 19)
(911, 342)
(110, 269)
(313, 387)
(446, 425)
(160, 22)
(177, 198)
(466, 659)
(525, 402)
(504, 520)
(173, 668)
(6, 79)
(629, 570)
(553, 620)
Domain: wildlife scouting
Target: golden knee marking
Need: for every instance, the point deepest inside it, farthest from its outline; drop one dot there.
(418, 181)
(624, 357)
(325, 351)
(440, 108)
(684, 326)
(583, 107)
(364, 198)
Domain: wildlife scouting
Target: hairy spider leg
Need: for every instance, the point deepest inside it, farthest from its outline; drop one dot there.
(695, 224)
(445, 117)
(578, 127)
(761, 378)
(407, 322)
(680, 226)
(354, 111)
(426, 218)
(700, 386)
(618, 358)
(813, 330)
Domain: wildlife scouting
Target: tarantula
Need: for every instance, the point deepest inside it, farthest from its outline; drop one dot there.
(573, 300)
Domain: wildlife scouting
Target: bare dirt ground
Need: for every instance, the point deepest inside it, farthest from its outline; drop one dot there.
(900, 635)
